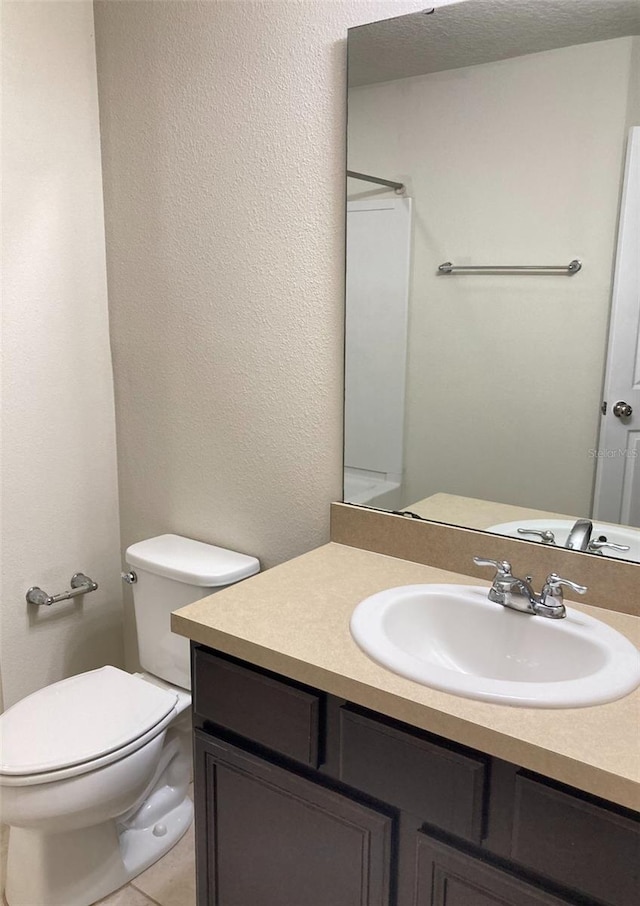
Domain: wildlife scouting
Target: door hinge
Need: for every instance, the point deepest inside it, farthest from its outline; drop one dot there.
(603, 407)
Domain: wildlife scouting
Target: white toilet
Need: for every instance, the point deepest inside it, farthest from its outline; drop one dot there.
(94, 770)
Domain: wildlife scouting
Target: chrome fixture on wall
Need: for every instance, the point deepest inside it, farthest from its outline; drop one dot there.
(548, 269)
(80, 585)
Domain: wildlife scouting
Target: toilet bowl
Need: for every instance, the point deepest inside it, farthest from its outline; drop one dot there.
(95, 769)
(85, 814)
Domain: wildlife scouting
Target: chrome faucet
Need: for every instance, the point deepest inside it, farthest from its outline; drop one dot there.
(579, 537)
(517, 594)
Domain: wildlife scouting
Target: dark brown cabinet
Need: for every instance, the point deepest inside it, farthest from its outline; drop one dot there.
(283, 716)
(277, 839)
(444, 786)
(303, 799)
(577, 842)
(448, 877)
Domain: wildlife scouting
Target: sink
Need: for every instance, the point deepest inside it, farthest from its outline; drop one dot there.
(451, 637)
(616, 534)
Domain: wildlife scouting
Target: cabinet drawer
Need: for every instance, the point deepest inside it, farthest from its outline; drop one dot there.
(447, 877)
(576, 842)
(441, 785)
(282, 716)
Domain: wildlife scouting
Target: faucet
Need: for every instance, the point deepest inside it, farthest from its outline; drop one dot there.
(580, 535)
(517, 594)
(579, 539)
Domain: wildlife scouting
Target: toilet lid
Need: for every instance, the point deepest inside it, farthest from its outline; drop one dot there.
(79, 719)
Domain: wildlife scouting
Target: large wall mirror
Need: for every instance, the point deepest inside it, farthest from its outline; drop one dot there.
(493, 240)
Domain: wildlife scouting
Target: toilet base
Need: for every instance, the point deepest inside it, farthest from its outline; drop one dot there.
(79, 867)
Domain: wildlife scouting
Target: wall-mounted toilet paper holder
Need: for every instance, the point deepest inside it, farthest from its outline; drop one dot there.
(80, 585)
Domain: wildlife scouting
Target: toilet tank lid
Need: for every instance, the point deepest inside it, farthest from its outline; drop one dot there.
(192, 562)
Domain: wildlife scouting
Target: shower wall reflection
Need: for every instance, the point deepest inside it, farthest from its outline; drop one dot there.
(513, 161)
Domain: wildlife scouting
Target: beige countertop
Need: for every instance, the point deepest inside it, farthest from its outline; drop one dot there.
(294, 620)
(475, 513)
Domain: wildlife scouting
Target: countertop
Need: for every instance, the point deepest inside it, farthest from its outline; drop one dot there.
(294, 620)
(472, 512)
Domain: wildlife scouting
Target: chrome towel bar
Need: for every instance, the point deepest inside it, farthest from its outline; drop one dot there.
(566, 270)
(80, 585)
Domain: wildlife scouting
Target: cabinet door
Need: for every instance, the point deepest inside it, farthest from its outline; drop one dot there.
(576, 842)
(275, 838)
(446, 877)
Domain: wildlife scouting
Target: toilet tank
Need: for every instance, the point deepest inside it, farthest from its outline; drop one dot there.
(172, 571)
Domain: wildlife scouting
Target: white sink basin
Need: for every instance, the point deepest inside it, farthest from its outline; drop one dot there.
(616, 534)
(451, 637)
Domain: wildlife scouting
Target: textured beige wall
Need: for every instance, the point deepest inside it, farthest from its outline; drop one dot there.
(60, 505)
(223, 156)
(516, 161)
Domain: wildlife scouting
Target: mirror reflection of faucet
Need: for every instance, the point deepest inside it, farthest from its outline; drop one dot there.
(596, 547)
(579, 538)
(580, 535)
(546, 535)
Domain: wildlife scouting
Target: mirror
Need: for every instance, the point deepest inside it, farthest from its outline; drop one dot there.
(498, 140)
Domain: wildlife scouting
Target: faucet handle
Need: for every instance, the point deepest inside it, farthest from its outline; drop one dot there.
(546, 535)
(554, 583)
(596, 546)
(502, 567)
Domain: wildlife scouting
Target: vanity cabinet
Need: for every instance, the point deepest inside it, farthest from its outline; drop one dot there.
(443, 785)
(303, 799)
(275, 838)
(447, 877)
(279, 715)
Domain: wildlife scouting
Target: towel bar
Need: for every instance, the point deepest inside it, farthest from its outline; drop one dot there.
(568, 270)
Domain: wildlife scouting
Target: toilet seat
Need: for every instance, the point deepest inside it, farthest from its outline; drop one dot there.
(79, 724)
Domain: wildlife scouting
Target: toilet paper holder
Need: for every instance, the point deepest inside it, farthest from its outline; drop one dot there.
(80, 585)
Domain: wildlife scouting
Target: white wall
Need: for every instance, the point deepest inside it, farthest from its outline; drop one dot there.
(223, 153)
(518, 161)
(633, 107)
(59, 460)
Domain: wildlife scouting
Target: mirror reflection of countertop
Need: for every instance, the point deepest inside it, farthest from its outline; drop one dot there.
(294, 620)
(505, 519)
(471, 512)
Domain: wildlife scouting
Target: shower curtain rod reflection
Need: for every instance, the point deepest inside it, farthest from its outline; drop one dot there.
(398, 186)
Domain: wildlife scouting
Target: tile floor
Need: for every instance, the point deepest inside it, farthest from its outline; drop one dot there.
(170, 882)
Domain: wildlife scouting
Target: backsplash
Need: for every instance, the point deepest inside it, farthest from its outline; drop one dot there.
(612, 584)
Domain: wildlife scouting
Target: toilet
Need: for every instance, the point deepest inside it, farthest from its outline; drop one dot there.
(94, 769)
